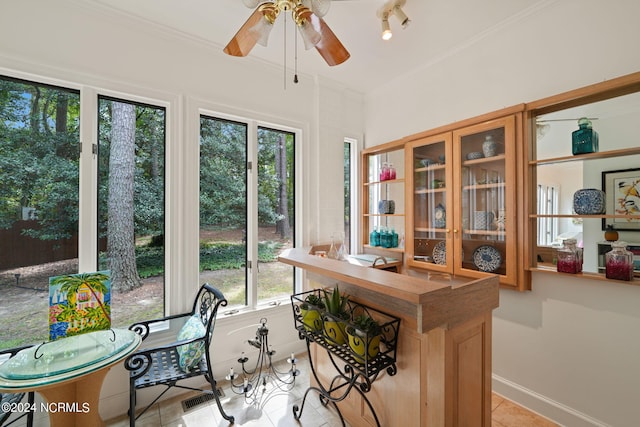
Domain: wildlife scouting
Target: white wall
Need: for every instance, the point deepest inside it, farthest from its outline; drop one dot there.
(70, 43)
(568, 349)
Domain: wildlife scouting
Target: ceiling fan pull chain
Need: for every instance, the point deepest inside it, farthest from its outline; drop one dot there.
(284, 71)
(295, 66)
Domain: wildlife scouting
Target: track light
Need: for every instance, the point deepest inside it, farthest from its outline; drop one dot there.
(404, 19)
(386, 28)
(392, 7)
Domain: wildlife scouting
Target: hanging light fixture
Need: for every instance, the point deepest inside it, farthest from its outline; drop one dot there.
(392, 7)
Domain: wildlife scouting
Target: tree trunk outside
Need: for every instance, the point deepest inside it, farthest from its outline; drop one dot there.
(283, 225)
(120, 234)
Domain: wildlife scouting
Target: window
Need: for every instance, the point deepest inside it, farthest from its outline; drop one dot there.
(131, 202)
(247, 209)
(39, 171)
(350, 153)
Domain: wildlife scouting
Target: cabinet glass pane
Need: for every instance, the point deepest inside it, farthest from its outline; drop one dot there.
(429, 202)
(384, 208)
(483, 203)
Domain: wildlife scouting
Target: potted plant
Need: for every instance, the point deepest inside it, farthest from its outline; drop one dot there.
(310, 310)
(364, 333)
(336, 316)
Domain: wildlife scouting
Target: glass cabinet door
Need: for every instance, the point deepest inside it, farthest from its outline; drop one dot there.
(485, 222)
(431, 203)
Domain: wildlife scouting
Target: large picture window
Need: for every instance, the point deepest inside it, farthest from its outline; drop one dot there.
(247, 209)
(131, 188)
(39, 172)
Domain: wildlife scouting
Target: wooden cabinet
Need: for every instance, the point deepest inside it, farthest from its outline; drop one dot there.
(555, 174)
(461, 200)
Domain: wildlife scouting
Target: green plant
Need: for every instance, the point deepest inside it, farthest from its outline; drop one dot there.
(336, 303)
(312, 300)
(367, 325)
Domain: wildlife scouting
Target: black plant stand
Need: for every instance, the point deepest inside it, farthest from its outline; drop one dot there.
(353, 371)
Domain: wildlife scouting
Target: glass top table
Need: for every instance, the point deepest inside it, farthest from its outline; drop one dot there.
(67, 358)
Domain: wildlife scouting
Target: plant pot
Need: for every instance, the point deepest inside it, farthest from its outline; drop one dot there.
(311, 320)
(334, 331)
(358, 343)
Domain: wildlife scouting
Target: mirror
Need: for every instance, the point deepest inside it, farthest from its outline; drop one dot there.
(617, 122)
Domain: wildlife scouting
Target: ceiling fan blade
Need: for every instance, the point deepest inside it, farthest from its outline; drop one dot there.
(329, 47)
(245, 39)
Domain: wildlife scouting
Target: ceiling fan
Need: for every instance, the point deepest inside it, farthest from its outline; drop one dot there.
(307, 15)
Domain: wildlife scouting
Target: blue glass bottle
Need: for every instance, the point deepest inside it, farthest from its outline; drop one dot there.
(394, 238)
(585, 139)
(374, 237)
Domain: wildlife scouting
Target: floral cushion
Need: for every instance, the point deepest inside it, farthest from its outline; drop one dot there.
(190, 354)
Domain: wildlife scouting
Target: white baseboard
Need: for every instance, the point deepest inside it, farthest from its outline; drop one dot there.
(542, 405)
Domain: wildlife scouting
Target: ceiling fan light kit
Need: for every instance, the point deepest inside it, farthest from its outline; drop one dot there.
(392, 7)
(313, 30)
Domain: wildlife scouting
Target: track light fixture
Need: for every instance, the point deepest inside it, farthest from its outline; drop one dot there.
(386, 28)
(392, 7)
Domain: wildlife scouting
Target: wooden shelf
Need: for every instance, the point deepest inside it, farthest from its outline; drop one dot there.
(589, 156)
(551, 269)
(497, 158)
(584, 216)
(388, 181)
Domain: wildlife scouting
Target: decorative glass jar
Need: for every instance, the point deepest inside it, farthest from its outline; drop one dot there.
(585, 139)
(619, 262)
(570, 257)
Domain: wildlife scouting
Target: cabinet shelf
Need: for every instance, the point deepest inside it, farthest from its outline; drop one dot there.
(488, 186)
(387, 181)
(430, 230)
(438, 166)
(430, 190)
(589, 156)
(584, 216)
(492, 159)
(399, 250)
(486, 232)
(383, 215)
(551, 269)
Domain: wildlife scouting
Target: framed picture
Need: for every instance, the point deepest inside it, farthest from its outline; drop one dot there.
(622, 189)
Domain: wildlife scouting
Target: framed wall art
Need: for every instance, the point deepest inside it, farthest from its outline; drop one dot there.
(622, 189)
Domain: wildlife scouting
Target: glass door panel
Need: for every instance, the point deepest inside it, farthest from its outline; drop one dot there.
(430, 203)
(483, 202)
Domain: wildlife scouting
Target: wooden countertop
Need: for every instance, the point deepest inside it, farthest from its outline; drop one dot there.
(424, 301)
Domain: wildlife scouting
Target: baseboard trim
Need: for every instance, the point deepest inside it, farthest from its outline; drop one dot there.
(542, 405)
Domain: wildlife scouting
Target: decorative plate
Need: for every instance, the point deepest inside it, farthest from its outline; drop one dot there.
(439, 253)
(439, 216)
(487, 258)
(474, 155)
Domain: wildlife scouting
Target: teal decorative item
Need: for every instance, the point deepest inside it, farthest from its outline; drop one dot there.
(585, 139)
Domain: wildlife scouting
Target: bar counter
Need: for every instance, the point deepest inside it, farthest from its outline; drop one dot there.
(444, 346)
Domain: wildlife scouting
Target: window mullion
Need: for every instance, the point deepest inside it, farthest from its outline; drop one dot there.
(252, 215)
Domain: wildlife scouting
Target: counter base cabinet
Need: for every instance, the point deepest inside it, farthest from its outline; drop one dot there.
(443, 379)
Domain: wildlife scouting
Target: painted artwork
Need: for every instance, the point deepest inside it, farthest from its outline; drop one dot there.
(79, 303)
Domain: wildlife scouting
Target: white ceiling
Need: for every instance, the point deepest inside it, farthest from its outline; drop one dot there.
(438, 29)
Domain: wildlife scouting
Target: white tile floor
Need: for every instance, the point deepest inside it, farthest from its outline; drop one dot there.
(275, 410)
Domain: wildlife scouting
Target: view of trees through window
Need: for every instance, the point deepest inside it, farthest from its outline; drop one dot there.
(227, 241)
(39, 164)
(131, 201)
